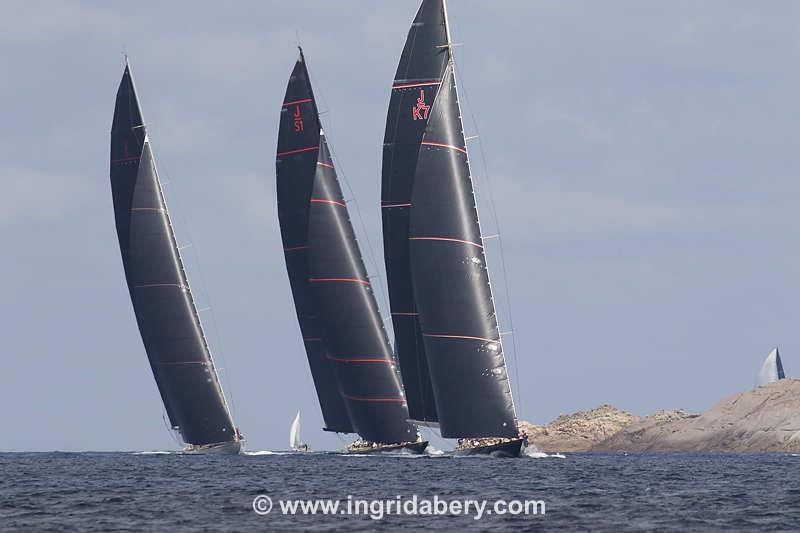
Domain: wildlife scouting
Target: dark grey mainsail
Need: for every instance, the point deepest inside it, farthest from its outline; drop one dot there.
(296, 163)
(346, 343)
(162, 301)
(442, 261)
(416, 83)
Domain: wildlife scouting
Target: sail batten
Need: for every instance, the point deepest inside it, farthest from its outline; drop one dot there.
(165, 311)
(329, 279)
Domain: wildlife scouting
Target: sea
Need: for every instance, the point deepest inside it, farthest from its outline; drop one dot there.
(266, 491)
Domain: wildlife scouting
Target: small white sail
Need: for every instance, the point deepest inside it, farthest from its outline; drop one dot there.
(771, 370)
(294, 433)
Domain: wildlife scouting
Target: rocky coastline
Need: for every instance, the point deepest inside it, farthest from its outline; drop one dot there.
(765, 419)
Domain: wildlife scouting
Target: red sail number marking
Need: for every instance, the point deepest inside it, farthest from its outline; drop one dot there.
(420, 111)
(298, 119)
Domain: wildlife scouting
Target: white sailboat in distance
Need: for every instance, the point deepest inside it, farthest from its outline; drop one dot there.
(294, 435)
(771, 370)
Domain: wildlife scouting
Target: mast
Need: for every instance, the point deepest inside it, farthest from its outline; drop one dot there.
(477, 212)
(159, 289)
(416, 83)
(447, 267)
(330, 280)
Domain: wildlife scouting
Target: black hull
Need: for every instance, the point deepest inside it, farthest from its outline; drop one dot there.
(512, 448)
(413, 448)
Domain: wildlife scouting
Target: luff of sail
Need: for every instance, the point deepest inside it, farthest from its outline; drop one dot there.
(336, 290)
(419, 74)
(162, 301)
(772, 369)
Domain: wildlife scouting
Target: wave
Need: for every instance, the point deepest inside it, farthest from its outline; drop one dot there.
(156, 453)
(265, 452)
(534, 453)
(432, 451)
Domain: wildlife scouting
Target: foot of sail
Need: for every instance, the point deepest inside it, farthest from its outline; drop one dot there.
(218, 448)
(361, 447)
(493, 446)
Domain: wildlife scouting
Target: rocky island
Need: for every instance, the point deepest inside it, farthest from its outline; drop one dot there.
(765, 419)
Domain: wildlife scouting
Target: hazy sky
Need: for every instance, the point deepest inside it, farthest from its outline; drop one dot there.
(642, 156)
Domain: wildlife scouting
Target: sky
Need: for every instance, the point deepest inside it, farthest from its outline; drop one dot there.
(641, 158)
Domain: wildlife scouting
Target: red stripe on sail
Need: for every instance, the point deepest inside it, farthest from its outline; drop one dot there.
(295, 248)
(303, 101)
(326, 165)
(467, 337)
(321, 201)
(290, 152)
(440, 145)
(448, 239)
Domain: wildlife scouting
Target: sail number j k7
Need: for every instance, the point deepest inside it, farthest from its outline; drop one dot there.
(420, 111)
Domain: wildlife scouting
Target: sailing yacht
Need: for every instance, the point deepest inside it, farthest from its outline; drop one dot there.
(295, 443)
(159, 290)
(771, 370)
(348, 350)
(446, 332)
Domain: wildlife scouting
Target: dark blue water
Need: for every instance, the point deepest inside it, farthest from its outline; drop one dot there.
(125, 491)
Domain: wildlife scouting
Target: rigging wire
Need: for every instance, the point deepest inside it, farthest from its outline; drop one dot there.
(185, 222)
(383, 305)
(496, 221)
(173, 433)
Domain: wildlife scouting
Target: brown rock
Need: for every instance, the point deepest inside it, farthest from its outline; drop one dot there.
(579, 431)
(765, 419)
